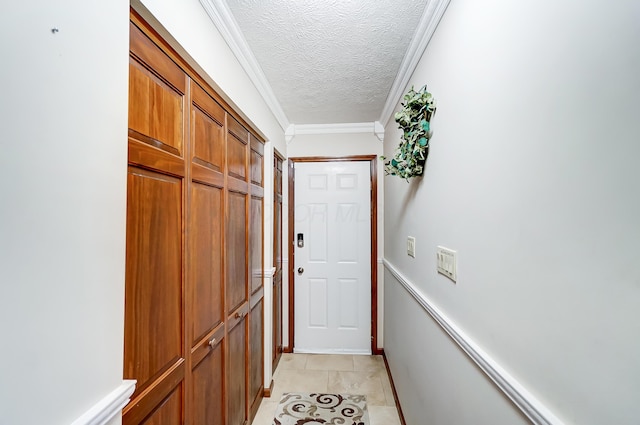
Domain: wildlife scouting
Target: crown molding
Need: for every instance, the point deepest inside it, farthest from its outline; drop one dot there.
(426, 27)
(341, 128)
(378, 130)
(226, 24)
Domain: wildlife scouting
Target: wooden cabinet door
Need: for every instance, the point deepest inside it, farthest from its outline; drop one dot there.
(276, 349)
(256, 267)
(256, 353)
(205, 260)
(237, 266)
(154, 352)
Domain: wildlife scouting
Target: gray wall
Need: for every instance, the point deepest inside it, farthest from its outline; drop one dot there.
(63, 160)
(533, 178)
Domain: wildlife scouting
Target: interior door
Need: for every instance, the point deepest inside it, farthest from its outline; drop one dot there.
(332, 257)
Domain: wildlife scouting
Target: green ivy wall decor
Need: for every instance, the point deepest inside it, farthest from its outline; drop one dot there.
(414, 120)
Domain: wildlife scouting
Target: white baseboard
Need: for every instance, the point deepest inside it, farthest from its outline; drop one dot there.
(537, 412)
(110, 406)
(325, 351)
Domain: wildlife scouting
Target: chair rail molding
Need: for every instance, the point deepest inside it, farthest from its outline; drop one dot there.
(110, 406)
(537, 412)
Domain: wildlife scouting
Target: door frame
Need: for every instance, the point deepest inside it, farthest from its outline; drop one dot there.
(372, 159)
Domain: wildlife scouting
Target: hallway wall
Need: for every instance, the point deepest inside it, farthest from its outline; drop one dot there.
(533, 178)
(62, 215)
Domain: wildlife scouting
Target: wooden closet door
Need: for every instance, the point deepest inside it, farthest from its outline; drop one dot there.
(154, 352)
(256, 267)
(205, 260)
(237, 283)
(276, 349)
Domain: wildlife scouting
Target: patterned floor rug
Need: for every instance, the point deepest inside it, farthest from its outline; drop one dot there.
(321, 409)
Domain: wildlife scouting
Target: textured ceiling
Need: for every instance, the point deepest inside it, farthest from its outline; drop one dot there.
(329, 61)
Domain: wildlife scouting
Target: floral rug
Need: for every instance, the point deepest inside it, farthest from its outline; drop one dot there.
(325, 409)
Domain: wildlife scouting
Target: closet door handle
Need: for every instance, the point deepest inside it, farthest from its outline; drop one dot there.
(212, 342)
(239, 315)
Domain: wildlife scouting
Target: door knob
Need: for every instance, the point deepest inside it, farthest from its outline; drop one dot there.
(300, 270)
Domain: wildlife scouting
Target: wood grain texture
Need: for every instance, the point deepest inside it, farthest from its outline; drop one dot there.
(256, 266)
(153, 294)
(207, 130)
(276, 348)
(155, 107)
(169, 410)
(236, 251)
(142, 405)
(237, 374)
(257, 172)
(208, 388)
(205, 259)
(256, 356)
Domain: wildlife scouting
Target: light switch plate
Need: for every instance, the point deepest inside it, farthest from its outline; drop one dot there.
(411, 246)
(447, 262)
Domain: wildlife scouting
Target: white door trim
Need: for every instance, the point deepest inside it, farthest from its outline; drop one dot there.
(372, 159)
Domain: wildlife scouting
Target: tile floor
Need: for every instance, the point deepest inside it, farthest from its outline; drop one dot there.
(333, 373)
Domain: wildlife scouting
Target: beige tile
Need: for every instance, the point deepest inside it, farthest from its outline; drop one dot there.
(383, 415)
(290, 361)
(265, 413)
(330, 362)
(361, 383)
(369, 363)
(386, 387)
(308, 381)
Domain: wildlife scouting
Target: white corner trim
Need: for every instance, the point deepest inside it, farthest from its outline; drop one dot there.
(289, 133)
(378, 129)
(226, 24)
(339, 128)
(268, 273)
(110, 406)
(431, 16)
(523, 399)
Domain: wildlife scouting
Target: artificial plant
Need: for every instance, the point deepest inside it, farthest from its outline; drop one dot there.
(414, 121)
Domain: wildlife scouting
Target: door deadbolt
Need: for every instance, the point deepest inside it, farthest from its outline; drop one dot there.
(300, 270)
(300, 240)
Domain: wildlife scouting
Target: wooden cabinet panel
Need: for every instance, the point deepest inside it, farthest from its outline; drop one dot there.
(153, 296)
(237, 141)
(237, 373)
(256, 355)
(207, 130)
(155, 109)
(208, 394)
(236, 251)
(257, 161)
(169, 411)
(255, 244)
(205, 259)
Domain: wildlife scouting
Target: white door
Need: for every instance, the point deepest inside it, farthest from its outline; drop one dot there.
(332, 257)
